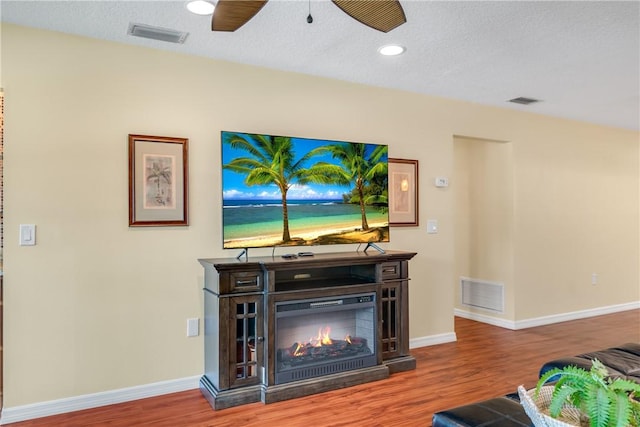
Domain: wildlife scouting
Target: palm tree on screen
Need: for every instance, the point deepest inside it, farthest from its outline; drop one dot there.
(361, 167)
(271, 160)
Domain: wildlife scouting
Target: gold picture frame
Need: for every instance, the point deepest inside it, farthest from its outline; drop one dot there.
(158, 178)
(403, 193)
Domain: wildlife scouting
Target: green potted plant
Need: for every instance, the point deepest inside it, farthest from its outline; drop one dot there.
(605, 401)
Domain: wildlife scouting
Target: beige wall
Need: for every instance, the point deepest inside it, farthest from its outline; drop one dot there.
(484, 216)
(96, 305)
(582, 220)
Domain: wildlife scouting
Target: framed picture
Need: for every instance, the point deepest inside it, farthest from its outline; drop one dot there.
(403, 192)
(158, 175)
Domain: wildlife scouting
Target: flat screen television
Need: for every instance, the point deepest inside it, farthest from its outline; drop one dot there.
(288, 191)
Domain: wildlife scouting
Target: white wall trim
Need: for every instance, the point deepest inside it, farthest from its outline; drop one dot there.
(432, 340)
(547, 320)
(491, 320)
(87, 401)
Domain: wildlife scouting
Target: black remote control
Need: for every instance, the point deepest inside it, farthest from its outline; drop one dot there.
(305, 253)
(289, 256)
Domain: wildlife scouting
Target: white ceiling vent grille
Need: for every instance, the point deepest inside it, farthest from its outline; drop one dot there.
(157, 33)
(482, 294)
(524, 101)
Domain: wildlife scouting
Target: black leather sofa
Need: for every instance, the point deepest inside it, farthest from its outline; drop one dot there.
(622, 361)
(506, 411)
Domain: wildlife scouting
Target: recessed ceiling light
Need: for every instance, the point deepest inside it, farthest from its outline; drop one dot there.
(200, 7)
(392, 50)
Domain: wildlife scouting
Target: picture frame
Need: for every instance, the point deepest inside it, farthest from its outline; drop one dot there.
(158, 181)
(403, 192)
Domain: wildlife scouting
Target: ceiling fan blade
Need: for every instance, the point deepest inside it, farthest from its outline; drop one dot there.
(382, 15)
(229, 15)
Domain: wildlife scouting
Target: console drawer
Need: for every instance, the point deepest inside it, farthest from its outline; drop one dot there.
(245, 281)
(390, 270)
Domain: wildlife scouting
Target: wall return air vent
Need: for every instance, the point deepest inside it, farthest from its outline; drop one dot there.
(482, 294)
(157, 33)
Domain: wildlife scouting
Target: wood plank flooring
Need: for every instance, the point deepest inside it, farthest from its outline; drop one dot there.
(485, 362)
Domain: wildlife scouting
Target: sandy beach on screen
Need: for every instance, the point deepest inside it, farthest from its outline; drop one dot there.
(338, 233)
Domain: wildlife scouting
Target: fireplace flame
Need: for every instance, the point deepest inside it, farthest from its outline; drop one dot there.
(299, 350)
(323, 337)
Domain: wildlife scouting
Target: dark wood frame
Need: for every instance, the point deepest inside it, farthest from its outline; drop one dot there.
(138, 215)
(394, 166)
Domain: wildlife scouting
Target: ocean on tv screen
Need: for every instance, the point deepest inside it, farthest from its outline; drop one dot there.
(251, 223)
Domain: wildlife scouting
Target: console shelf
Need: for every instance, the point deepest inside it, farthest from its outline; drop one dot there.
(240, 320)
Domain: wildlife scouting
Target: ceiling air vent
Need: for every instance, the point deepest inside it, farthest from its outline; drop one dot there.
(157, 33)
(524, 101)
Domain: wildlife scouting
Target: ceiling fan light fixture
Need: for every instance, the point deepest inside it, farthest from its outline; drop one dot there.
(392, 50)
(201, 7)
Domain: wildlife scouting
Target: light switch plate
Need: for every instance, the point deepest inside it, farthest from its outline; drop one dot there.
(432, 226)
(193, 327)
(27, 234)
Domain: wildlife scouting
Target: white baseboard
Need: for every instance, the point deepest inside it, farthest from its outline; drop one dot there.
(87, 401)
(547, 320)
(432, 340)
(490, 320)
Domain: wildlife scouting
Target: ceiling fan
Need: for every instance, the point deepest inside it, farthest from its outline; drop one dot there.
(382, 15)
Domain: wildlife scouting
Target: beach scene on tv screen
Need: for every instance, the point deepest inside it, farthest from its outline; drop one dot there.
(287, 191)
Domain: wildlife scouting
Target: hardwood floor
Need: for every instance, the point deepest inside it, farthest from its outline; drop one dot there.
(485, 362)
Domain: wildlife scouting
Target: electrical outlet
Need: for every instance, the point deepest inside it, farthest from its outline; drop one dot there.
(594, 278)
(193, 327)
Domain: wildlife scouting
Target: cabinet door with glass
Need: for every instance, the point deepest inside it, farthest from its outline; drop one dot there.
(391, 297)
(245, 340)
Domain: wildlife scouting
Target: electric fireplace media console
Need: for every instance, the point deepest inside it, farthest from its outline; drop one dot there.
(276, 328)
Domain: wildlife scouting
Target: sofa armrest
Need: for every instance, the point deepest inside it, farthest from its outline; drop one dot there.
(579, 362)
(621, 362)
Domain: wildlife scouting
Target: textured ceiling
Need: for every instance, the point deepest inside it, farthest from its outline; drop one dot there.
(581, 58)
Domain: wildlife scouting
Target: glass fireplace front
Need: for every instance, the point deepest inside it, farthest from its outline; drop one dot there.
(322, 336)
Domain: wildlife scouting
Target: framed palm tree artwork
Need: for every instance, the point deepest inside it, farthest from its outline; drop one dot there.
(158, 178)
(403, 192)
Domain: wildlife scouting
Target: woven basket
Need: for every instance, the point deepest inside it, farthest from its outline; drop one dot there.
(537, 408)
